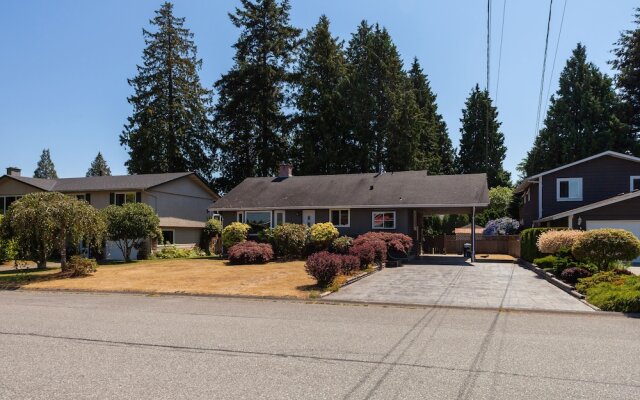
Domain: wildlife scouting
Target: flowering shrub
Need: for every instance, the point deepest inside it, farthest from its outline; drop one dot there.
(234, 233)
(365, 252)
(350, 263)
(289, 240)
(341, 245)
(323, 234)
(603, 246)
(249, 252)
(571, 275)
(551, 242)
(501, 226)
(324, 267)
(394, 242)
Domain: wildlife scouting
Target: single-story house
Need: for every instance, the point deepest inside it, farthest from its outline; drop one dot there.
(465, 231)
(180, 199)
(354, 203)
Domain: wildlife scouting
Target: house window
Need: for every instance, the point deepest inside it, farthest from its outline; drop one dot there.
(527, 196)
(569, 189)
(340, 218)
(168, 236)
(279, 217)
(84, 196)
(123, 198)
(257, 220)
(240, 216)
(5, 202)
(634, 183)
(383, 220)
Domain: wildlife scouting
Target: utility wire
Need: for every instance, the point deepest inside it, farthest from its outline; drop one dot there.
(544, 66)
(504, 7)
(553, 66)
(486, 132)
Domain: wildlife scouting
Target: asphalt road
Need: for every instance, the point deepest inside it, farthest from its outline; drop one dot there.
(62, 346)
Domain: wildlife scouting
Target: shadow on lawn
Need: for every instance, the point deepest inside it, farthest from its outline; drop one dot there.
(16, 278)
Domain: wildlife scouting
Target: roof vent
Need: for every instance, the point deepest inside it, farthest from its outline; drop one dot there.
(371, 187)
(13, 171)
(286, 170)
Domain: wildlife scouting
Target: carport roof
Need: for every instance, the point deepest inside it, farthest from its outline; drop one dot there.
(415, 189)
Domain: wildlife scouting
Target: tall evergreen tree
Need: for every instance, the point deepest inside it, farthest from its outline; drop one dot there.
(170, 129)
(320, 137)
(45, 169)
(581, 120)
(250, 122)
(435, 147)
(99, 167)
(482, 146)
(627, 80)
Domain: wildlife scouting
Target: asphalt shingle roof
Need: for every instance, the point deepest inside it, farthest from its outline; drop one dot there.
(99, 183)
(407, 188)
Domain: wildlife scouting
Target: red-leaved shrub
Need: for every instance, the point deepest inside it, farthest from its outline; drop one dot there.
(571, 275)
(324, 267)
(394, 242)
(365, 252)
(350, 263)
(250, 252)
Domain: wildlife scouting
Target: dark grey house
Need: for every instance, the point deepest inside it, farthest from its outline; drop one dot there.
(354, 203)
(601, 191)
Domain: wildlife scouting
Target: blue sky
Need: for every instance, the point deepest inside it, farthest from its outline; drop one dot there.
(65, 64)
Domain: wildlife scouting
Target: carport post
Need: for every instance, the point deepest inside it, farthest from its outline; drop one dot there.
(473, 235)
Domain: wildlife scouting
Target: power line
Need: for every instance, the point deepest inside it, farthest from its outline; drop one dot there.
(504, 7)
(488, 42)
(553, 66)
(544, 66)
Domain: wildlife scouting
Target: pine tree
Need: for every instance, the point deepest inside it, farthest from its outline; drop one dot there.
(627, 80)
(99, 167)
(320, 138)
(250, 122)
(45, 169)
(170, 129)
(581, 120)
(436, 150)
(482, 146)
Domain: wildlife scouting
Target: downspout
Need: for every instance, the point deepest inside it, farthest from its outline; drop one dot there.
(540, 198)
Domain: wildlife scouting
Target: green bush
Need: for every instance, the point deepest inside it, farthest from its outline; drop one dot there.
(234, 233)
(80, 266)
(341, 245)
(546, 262)
(622, 295)
(528, 243)
(603, 246)
(169, 252)
(614, 276)
(322, 234)
(289, 240)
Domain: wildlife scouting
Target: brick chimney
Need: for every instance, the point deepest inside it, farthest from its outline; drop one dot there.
(13, 171)
(286, 170)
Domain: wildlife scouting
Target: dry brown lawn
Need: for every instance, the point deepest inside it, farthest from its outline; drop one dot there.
(193, 276)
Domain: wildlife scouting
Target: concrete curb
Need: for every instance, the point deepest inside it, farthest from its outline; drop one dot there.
(556, 282)
(354, 279)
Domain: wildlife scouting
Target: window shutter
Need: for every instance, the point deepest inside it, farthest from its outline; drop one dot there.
(138, 197)
(112, 198)
(87, 197)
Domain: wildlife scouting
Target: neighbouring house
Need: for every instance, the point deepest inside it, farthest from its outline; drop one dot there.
(354, 203)
(465, 231)
(180, 199)
(601, 191)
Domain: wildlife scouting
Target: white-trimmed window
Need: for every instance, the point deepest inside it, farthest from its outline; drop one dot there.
(279, 218)
(240, 217)
(341, 218)
(257, 220)
(634, 183)
(383, 220)
(569, 189)
(125, 197)
(217, 217)
(5, 202)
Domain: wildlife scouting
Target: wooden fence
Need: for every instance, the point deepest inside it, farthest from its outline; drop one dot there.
(454, 244)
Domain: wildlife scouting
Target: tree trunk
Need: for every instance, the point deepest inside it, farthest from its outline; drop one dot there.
(42, 264)
(127, 254)
(63, 255)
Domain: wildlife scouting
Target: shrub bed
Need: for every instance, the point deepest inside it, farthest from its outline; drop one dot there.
(572, 274)
(552, 242)
(621, 295)
(250, 252)
(604, 246)
(324, 267)
(528, 243)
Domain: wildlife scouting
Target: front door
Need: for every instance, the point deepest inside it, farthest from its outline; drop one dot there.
(308, 217)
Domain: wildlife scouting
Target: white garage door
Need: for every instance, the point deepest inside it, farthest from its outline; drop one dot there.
(112, 252)
(631, 226)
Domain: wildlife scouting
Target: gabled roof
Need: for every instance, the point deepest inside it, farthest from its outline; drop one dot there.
(391, 189)
(531, 179)
(105, 183)
(592, 206)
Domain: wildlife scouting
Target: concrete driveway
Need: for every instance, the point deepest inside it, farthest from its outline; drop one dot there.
(485, 285)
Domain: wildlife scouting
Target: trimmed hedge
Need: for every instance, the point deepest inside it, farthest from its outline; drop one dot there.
(341, 245)
(250, 252)
(602, 246)
(528, 242)
(393, 242)
(350, 263)
(234, 233)
(324, 267)
(322, 234)
(289, 240)
(365, 252)
(552, 242)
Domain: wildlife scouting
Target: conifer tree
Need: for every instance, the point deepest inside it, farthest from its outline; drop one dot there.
(482, 146)
(627, 80)
(250, 122)
(170, 129)
(45, 169)
(435, 148)
(99, 167)
(581, 120)
(320, 138)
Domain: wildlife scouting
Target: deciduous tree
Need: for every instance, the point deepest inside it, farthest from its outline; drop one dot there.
(130, 225)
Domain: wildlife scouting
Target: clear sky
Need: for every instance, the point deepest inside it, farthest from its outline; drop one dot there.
(64, 65)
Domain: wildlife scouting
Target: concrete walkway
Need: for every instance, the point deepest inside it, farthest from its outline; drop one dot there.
(485, 285)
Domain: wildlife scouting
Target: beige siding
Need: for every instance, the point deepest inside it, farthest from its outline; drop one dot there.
(10, 187)
(181, 198)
